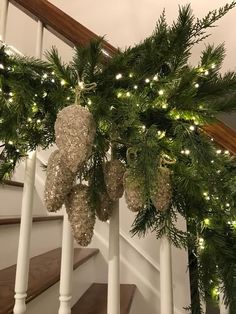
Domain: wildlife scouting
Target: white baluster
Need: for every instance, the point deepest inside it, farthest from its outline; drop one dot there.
(66, 267)
(223, 308)
(22, 268)
(113, 297)
(166, 287)
(3, 21)
(39, 41)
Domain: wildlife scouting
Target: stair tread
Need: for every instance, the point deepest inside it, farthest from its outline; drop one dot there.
(13, 183)
(94, 300)
(44, 272)
(8, 220)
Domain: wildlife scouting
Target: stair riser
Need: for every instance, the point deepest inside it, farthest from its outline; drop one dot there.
(11, 199)
(45, 237)
(48, 301)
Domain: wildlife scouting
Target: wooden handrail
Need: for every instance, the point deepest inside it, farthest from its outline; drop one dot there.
(223, 135)
(60, 23)
(74, 33)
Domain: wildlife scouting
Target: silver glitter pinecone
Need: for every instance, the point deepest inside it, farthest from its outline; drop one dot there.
(75, 130)
(163, 191)
(113, 175)
(58, 184)
(80, 214)
(104, 211)
(134, 191)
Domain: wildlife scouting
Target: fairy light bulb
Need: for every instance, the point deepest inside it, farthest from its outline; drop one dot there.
(196, 85)
(164, 106)
(52, 80)
(192, 128)
(155, 78)
(118, 76)
(206, 72)
(187, 152)
(215, 292)
(81, 85)
(1, 66)
(161, 92)
(135, 87)
(45, 76)
(63, 82)
(201, 243)
(119, 95)
(128, 94)
(11, 100)
(38, 121)
(10, 142)
(213, 66)
(29, 120)
(147, 80)
(218, 151)
(89, 102)
(226, 152)
(131, 75)
(207, 221)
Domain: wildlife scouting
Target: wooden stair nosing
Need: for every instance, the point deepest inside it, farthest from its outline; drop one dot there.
(94, 300)
(12, 183)
(44, 272)
(17, 220)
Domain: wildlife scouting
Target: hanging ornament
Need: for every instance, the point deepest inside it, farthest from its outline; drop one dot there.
(113, 175)
(104, 211)
(75, 130)
(58, 184)
(80, 214)
(134, 192)
(162, 194)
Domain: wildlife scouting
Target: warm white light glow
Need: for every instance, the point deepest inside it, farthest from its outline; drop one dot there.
(118, 76)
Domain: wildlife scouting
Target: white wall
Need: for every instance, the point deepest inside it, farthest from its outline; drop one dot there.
(126, 22)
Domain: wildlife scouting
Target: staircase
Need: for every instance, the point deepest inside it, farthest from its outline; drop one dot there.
(90, 296)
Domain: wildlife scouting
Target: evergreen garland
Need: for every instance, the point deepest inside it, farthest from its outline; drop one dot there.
(149, 102)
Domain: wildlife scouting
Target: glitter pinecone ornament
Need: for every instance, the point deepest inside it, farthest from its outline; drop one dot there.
(80, 214)
(58, 184)
(104, 211)
(162, 194)
(134, 191)
(75, 130)
(113, 175)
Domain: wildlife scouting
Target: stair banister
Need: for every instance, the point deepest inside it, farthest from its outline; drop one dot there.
(22, 268)
(3, 22)
(113, 297)
(66, 267)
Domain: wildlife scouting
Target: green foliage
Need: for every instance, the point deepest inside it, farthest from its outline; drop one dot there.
(149, 102)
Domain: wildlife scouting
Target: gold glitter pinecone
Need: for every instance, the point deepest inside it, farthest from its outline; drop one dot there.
(80, 214)
(75, 130)
(113, 175)
(162, 194)
(104, 211)
(58, 184)
(134, 191)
